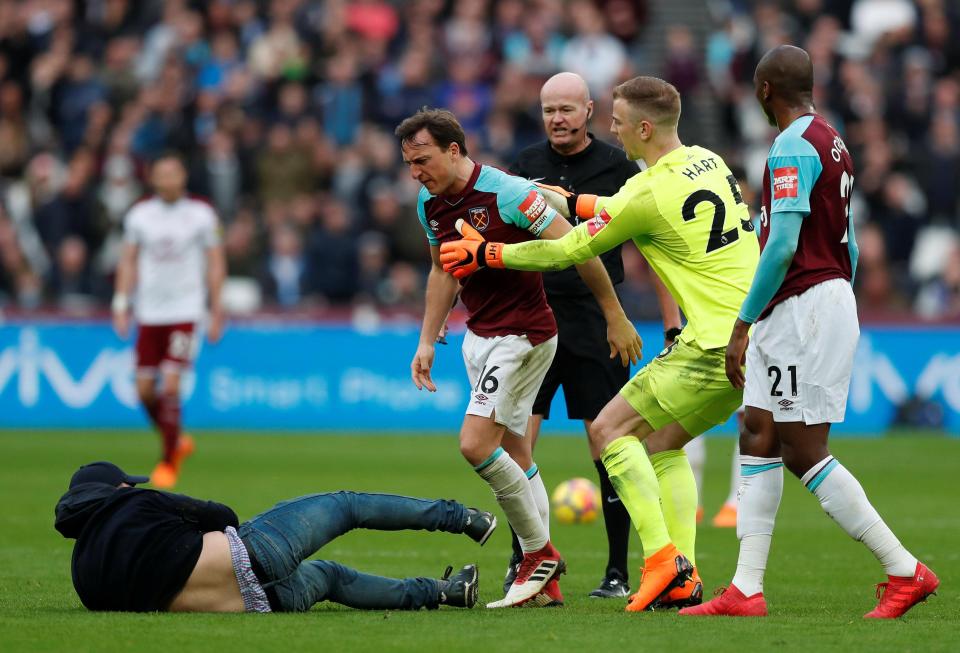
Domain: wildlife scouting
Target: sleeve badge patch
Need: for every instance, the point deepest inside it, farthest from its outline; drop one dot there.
(598, 222)
(786, 182)
(533, 206)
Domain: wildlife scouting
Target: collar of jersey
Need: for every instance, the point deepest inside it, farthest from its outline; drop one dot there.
(453, 200)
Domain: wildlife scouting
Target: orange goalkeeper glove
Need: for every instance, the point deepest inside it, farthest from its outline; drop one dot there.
(461, 258)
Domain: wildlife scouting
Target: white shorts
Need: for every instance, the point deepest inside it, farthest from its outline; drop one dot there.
(505, 374)
(800, 357)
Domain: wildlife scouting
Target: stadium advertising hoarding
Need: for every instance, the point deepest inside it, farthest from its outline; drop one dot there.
(317, 377)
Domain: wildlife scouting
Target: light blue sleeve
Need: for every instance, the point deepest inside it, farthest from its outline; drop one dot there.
(853, 249)
(422, 198)
(774, 263)
(794, 165)
(519, 201)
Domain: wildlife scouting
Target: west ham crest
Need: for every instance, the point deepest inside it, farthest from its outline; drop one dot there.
(479, 218)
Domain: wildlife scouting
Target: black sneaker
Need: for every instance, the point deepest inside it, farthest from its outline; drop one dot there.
(512, 567)
(480, 525)
(613, 586)
(460, 591)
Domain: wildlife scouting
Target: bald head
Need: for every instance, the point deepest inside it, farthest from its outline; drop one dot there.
(565, 85)
(789, 71)
(566, 106)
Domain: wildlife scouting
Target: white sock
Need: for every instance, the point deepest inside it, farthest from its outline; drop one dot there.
(843, 498)
(734, 476)
(696, 451)
(540, 496)
(761, 485)
(515, 496)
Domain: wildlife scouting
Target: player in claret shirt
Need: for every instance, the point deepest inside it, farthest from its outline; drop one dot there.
(512, 334)
(800, 358)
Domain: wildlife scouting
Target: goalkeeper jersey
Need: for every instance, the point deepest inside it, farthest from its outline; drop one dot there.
(686, 215)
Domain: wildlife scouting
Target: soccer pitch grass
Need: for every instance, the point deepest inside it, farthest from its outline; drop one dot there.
(818, 586)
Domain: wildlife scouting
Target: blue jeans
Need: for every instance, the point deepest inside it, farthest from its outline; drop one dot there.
(281, 539)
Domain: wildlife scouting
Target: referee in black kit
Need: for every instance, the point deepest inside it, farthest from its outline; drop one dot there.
(572, 158)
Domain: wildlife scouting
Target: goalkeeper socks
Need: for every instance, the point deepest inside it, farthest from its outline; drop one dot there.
(843, 498)
(761, 486)
(515, 496)
(617, 522)
(696, 451)
(678, 499)
(633, 477)
(735, 476)
(540, 496)
(168, 419)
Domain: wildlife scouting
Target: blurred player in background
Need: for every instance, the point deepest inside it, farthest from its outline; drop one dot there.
(173, 261)
(573, 159)
(512, 334)
(685, 213)
(800, 358)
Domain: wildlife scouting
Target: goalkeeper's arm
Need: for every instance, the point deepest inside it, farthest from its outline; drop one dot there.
(589, 239)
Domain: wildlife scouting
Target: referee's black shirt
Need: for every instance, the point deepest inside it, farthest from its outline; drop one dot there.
(600, 169)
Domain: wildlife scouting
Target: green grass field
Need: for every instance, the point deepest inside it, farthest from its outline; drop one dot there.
(819, 585)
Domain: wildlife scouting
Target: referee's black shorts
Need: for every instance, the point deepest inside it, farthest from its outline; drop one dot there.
(582, 363)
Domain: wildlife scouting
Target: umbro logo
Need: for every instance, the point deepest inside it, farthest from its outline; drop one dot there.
(434, 223)
(785, 403)
(481, 397)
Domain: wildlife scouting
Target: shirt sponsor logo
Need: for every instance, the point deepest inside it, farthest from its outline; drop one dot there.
(598, 222)
(479, 218)
(533, 205)
(786, 181)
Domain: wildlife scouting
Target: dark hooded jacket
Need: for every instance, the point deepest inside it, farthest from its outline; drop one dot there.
(135, 548)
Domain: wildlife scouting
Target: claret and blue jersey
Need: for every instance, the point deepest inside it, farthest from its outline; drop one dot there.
(505, 209)
(809, 171)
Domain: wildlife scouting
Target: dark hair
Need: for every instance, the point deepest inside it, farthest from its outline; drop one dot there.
(169, 154)
(654, 97)
(441, 124)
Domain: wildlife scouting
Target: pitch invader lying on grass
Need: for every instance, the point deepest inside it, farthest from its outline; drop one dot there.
(140, 550)
(686, 215)
(512, 334)
(800, 359)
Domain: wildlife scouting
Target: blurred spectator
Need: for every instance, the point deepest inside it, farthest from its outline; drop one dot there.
(594, 54)
(333, 254)
(283, 168)
(284, 279)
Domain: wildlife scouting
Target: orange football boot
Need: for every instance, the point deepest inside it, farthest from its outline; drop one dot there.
(664, 570)
(185, 448)
(682, 596)
(164, 476)
(726, 517)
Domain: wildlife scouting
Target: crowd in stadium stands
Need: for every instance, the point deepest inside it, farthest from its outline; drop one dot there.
(284, 111)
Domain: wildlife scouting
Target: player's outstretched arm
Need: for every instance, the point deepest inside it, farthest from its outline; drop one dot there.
(774, 262)
(441, 290)
(622, 336)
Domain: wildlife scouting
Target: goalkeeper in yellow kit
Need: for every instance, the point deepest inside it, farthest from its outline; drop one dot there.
(686, 215)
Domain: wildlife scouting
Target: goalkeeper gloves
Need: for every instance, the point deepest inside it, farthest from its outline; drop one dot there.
(461, 258)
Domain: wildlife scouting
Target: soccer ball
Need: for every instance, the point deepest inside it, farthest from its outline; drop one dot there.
(576, 501)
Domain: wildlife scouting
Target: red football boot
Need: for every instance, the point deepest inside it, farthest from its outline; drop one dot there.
(536, 570)
(550, 597)
(731, 602)
(900, 593)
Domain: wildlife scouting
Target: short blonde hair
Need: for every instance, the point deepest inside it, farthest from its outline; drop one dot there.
(656, 99)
